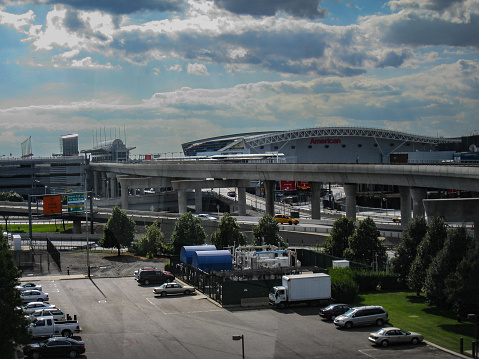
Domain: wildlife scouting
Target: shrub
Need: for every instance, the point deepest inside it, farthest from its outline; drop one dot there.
(343, 286)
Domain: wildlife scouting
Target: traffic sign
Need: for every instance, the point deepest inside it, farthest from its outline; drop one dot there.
(76, 202)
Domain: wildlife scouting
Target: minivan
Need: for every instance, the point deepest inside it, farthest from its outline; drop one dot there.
(367, 315)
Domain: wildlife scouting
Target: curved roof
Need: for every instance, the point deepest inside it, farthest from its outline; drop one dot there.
(273, 137)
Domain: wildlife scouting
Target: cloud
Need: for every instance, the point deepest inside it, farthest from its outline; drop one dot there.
(176, 67)
(299, 8)
(116, 7)
(17, 22)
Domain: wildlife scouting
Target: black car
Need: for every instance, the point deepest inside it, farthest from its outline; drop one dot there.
(333, 310)
(154, 276)
(56, 346)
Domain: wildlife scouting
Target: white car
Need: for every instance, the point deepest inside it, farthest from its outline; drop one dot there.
(28, 286)
(56, 313)
(34, 296)
(173, 288)
(33, 306)
(206, 217)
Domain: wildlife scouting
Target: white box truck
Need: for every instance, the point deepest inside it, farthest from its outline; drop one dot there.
(311, 288)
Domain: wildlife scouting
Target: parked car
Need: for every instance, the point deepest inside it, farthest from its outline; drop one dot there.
(56, 346)
(154, 276)
(56, 313)
(137, 272)
(396, 220)
(231, 194)
(34, 296)
(386, 336)
(367, 315)
(286, 219)
(333, 310)
(48, 327)
(206, 217)
(33, 306)
(173, 288)
(28, 286)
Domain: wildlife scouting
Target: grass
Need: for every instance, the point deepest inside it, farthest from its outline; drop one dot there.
(49, 227)
(410, 312)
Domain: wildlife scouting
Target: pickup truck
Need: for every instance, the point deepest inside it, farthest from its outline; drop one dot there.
(47, 327)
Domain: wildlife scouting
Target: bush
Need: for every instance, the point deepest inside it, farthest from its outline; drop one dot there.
(343, 286)
(370, 281)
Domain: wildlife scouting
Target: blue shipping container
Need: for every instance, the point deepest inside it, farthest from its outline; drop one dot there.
(186, 253)
(212, 260)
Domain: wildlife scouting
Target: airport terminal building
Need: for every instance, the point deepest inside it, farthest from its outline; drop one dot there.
(335, 145)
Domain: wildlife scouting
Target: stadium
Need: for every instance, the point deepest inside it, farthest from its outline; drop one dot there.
(336, 145)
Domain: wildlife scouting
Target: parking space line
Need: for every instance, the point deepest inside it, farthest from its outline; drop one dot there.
(178, 312)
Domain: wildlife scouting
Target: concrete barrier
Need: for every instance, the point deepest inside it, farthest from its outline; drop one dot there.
(254, 302)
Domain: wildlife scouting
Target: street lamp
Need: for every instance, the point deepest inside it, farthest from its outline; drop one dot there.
(240, 337)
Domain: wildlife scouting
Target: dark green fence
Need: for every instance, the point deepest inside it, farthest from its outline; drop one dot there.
(311, 258)
(235, 291)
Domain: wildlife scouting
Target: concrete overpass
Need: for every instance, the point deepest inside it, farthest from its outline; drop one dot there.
(412, 180)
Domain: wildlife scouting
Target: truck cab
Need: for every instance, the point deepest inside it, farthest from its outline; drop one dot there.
(277, 295)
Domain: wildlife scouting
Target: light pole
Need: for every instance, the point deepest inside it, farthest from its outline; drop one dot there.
(240, 337)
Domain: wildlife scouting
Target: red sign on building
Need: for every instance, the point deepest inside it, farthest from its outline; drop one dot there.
(303, 184)
(288, 185)
(148, 157)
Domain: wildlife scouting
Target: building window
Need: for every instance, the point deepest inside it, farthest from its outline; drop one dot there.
(360, 145)
(391, 144)
(310, 146)
(293, 147)
(375, 145)
(261, 147)
(275, 147)
(343, 146)
(326, 146)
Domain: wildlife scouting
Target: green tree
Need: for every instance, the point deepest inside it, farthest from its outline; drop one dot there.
(267, 232)
(461, 287)
(228, 233)
(407, 249)
(427, 250)
(338, 239)
(457, 243)
(119, 231)
(151, 242)
(13, 324)
(188, 231)
(365, 246)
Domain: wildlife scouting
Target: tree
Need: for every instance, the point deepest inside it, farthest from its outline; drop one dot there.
(338, 239)
(151, 242)
(228, 233)
(365, 246)
(407, 249)
(13, 328)
(457, 243)
(461, 287)
(427, 250)
(119, 231)
(267, 232)
(188, 231)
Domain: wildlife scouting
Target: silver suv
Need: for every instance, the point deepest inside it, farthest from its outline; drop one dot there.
(368, 315)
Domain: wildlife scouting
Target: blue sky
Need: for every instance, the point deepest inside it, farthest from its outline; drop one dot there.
(171, 71)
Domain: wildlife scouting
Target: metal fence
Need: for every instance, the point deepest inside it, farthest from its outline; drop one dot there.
(54, 253)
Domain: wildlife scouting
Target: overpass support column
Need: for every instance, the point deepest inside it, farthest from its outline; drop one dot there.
(269, 192)
(316, 199)
(350, 190)
(76, 226)
(198, 200)
(95, 182)
(242, 201)
(182, 206)
(405, 196)
(124, 183)
(103, 184)
(418, 195)
(114, 187)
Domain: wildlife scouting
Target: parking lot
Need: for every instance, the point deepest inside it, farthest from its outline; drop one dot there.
(123, 320)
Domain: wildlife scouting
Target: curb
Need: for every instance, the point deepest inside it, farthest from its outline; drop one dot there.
(447, 350)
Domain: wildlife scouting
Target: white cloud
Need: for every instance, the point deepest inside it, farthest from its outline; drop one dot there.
(17, 22)
(197, 69)
(176, 67)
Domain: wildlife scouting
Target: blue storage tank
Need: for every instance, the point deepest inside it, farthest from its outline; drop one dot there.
(213, 260)
(186, 253)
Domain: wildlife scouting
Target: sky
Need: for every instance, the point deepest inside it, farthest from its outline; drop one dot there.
(158, 73)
